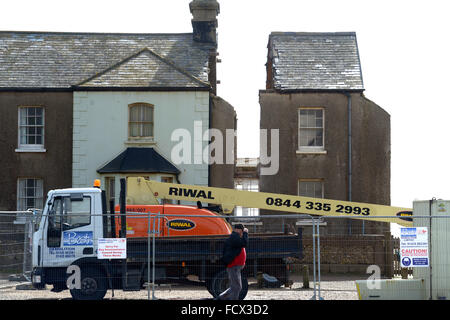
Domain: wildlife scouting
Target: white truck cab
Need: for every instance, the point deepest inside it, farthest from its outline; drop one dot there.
(68, 230)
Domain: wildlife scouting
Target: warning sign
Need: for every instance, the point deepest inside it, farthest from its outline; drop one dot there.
(112, 248)
(414, 247)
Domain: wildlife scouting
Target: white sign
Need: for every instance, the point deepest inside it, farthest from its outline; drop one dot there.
(414, 247)
(112, 248)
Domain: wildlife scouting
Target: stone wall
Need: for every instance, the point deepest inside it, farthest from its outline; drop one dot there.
(349, 253)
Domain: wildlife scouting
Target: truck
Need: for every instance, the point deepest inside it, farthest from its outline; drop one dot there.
(164, 243)
(169, 243)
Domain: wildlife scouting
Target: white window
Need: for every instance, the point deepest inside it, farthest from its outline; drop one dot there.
(310, 188)
(247, 185)
(140, 124)
(31, 129)
(29, 194)
(311, 123)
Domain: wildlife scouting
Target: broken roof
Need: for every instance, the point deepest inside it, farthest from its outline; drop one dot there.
(51, 60)
(315, 61)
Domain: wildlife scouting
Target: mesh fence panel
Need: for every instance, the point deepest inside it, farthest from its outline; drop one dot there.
(179, 257)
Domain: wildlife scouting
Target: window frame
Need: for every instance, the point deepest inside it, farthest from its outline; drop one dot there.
(246, 184)
(38, 196)
(59, 222)
(141, 123)
(321, 181)
(28, 147)
(310, 149)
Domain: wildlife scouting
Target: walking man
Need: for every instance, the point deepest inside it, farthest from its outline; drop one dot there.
(234, 256)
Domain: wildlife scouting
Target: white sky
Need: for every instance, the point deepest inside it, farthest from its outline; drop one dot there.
(402, 46)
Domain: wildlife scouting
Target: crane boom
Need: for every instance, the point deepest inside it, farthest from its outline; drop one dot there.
(142, 191)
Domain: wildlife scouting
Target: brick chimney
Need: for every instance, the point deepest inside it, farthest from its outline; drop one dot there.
(204, 21)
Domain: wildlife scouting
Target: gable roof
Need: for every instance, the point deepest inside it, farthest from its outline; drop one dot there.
(139, 160)
(143, 69)
(61, 60)
(315, 61)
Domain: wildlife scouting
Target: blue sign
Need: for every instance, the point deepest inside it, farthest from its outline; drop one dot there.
(420, 261)
(78, 238)
(406, 261)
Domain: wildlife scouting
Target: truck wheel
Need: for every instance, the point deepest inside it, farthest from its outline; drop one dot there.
(93, 285)
(220, 284)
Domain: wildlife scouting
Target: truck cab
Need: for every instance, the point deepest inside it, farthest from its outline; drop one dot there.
(70, 224)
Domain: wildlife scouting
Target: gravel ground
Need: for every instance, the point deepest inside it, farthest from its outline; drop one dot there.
(331, 288)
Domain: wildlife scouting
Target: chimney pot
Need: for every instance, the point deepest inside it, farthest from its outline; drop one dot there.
(204, 20)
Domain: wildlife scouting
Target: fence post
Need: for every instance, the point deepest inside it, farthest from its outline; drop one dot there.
(148, 257)
(305, 276)
(318, 253)
(389, 270)
(314, 255)
(153, 257)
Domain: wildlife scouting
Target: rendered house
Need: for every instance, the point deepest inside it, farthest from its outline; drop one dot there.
(334, 142)
(75, 107)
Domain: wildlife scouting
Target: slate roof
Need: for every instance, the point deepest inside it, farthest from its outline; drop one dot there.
(139, 160)
(63, 60)
(315, 61)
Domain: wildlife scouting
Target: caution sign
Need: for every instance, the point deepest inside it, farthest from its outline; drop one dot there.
(112, 248)
(414, 247)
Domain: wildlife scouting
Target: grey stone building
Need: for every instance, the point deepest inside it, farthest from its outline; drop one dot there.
(334, 142)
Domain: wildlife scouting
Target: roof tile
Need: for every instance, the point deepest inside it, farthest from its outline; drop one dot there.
(61, 60)
(315, 61)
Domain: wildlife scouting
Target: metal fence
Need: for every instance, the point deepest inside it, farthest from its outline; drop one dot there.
(16, 230)
(289, 257)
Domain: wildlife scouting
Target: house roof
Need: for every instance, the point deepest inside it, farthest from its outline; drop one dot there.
(145, 68)
(64, 60)
(139, 160)
(315, 61)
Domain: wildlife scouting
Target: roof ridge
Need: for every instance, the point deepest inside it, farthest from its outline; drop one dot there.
(94, 33)
(136, 54)
(289, 33)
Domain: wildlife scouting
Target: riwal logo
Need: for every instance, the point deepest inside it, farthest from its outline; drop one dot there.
(405, 215)
(181, 224)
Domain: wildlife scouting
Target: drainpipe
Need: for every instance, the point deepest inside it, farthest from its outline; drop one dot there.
(349, 121)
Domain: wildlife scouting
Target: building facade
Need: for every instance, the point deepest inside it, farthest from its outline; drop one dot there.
(36, 146)
(334, 143)
(75, 107)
